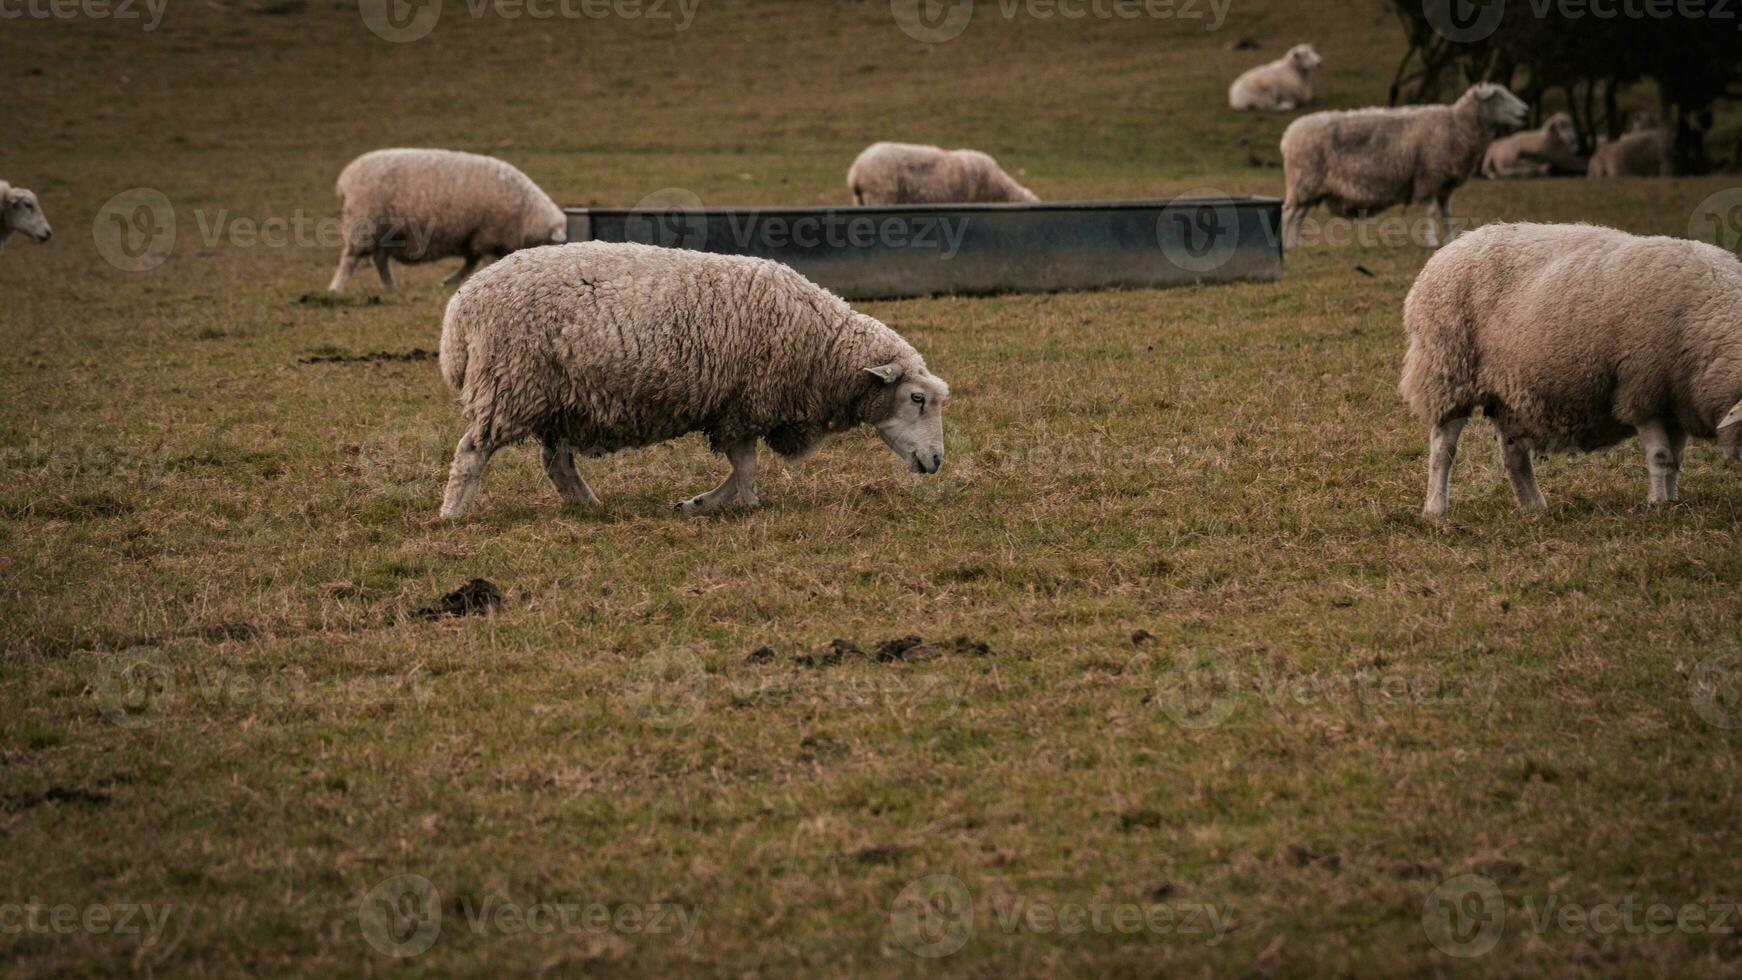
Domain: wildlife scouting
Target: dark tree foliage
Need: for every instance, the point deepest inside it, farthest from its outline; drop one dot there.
(1586, 52)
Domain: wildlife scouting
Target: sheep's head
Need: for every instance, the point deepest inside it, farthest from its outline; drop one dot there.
(1730, 432)
(1496, 107)
(1303, 57)
(20, 212)
(909, 413)
(1643, 121)
(1562, 132)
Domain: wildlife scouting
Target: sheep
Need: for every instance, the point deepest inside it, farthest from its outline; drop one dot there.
(20, 212)
(1535, 153)
(907, 173)
(1649, 341)
(1641, 152)
(1361, 162)
(1278, 86)
(424, 205)
(596, 347)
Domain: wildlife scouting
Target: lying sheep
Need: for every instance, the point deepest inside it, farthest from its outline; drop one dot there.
(907, 173)
(424, 205)
(1536, 152)
(1650, 341)
(1639, 153)
(20, 212)
(1279, 86)
(598, 347)
(1361, 162)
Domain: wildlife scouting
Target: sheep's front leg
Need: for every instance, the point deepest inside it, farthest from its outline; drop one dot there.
(1293, 216)
(559, 464)
(1443, 204)
(1516, 454)
(1442, 449)
(742, 483)
(384, 270)
(470, 457)
(463, 271)
(342, 277)
(1664, 443)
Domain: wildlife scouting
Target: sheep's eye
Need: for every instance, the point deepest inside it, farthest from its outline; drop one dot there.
(918, 399)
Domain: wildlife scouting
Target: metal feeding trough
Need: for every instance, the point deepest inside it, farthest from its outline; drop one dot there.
(923, 250)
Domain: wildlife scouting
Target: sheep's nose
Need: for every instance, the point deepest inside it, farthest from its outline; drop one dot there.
(47, 234)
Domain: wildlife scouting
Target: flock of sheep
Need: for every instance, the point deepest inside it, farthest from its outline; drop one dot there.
(592, 348)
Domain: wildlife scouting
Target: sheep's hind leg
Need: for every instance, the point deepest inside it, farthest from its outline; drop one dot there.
(1664, 444)
(1516, 455)
(384, 270)
(742, 483)
(1442, 449)
(342, 276)
(463, 271)
(559, 464)
(470, 457)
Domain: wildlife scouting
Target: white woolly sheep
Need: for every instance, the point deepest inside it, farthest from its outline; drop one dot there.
(597, 347)
(423, 205)
(1361, 162)
(1649, 341)
(1535, 152)
(908, 173)
(1278, 86)
(1641, 152)
(20, 212)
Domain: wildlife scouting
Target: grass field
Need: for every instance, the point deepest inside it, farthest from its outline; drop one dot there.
(226, 730)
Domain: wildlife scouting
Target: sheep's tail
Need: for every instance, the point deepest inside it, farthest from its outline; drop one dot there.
(454, 354)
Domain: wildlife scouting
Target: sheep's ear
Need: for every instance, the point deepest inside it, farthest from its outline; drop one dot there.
(1734, 417)
(886, 373)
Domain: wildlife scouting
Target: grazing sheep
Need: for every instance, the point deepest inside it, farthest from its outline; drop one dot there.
(424, 205)
(1641, 152)
(907, 173)
(1536, 152)
(1361, 162)
(1575, 337)
(20, 212)
(596, 347)
(1278, 86)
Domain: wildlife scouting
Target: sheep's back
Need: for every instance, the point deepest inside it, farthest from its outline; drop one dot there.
(1575, 333)
(623, 345)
